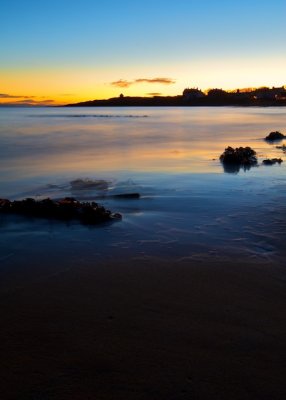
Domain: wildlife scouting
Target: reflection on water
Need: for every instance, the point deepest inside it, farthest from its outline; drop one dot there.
(236, 168)
(37, 143)
(68, 115)
(188, 209)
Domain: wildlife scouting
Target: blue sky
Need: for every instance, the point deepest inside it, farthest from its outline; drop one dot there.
(93, 43)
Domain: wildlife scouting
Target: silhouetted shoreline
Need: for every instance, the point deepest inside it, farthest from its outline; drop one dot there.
(261, 97)
(176, 101)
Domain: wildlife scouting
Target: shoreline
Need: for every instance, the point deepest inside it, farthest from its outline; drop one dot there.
(171, 105)
(274, 105)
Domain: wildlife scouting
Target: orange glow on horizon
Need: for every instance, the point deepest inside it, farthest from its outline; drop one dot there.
(64, 85)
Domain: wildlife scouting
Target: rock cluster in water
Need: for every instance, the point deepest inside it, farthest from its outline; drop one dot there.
(283, 148)
(233, 159)
(65, 209)
(272, 161)
(275, 135)
(239, 157)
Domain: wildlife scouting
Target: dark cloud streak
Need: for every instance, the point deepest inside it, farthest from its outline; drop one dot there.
(31, 101)
(163, 81)
(27, 102)
(125, 84)
(154, 94)
(10, 96)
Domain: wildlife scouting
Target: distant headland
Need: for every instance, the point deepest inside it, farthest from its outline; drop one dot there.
(258, 97)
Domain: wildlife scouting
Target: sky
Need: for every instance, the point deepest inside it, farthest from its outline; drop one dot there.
(64, 51)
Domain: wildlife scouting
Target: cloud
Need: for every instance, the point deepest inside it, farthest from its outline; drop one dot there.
(12, 99)
(10, 96)
(27, 102)
(154, 94)
(163, 81)
(124, 83)
(31, 101)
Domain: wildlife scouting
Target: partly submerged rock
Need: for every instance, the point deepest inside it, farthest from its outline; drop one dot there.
(272, 161)
(120, 196)
(87, 184)
(126, 196)
(283, 148)
(240, 157)
(274, 136)
(65, 209)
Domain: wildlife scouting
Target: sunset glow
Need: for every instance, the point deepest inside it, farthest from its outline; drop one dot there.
(64, 52)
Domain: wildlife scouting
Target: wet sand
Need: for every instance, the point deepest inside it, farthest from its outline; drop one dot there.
(143, 330)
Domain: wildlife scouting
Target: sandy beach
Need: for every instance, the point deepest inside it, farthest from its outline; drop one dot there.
(149, 330)
(142, 200)
(184, 298)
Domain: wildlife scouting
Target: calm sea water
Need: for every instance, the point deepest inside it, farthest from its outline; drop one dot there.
(190, 208)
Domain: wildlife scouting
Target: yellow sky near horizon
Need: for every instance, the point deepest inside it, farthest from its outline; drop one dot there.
(69, 85)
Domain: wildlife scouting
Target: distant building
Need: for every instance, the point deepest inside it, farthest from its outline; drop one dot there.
(266, 93)
(193, 94)
(281, 96)
(280, 93)
(217, 93)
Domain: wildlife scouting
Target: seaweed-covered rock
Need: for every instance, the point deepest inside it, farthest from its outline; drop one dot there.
(274, 136)
(234, 159)
(65, 209)
(272, 161)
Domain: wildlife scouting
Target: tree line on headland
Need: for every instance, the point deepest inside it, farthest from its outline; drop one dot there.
(262, 96)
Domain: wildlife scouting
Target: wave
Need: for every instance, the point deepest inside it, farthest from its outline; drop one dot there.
(88, 116)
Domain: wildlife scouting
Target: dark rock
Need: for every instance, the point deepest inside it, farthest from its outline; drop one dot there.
(272, 161)
(127, 196)
(283, 148)
(65, 209)
(273, 136)
(240, 157)
(5, 204)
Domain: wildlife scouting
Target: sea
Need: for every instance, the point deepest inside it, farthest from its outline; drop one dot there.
(191, 209)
